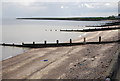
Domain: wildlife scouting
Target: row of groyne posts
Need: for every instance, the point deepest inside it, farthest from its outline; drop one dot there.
(91, 30)
(45, 44)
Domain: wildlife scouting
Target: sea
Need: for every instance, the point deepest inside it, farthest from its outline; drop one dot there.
(19, 30)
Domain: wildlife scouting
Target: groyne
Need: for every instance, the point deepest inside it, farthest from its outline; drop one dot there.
(90, 30)
(106, 24)
(57, 44)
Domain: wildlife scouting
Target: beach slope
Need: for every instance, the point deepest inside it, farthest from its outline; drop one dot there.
(89, 61)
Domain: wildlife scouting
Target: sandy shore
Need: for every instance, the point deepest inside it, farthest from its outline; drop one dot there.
(80, 62)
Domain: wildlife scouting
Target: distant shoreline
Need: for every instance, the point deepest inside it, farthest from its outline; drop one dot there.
(75, 18)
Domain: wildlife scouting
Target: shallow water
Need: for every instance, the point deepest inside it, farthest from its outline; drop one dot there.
(18, 31)
(8, 52)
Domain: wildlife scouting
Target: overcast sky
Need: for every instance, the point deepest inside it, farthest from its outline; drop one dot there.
(59, 8)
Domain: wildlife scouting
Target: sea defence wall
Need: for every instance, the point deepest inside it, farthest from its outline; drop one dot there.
(113, 70)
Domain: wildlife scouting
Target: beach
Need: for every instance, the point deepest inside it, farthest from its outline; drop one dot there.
(89, 61)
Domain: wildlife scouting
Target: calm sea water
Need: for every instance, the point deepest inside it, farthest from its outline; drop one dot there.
(18, 31)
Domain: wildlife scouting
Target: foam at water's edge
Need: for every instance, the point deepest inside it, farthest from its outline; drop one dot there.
(7, 57)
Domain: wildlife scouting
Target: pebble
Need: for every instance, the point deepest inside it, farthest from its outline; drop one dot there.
(84, 60)
(106, 65)
(92, 59)
(70, 71)
(75, 65)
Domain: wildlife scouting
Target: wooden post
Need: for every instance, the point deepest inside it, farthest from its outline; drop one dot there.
(22, 43)
(99, 38)
(57, 42)
(70, 41)
(84, 40)
(45, 42)
(3, 43)
(33, 42)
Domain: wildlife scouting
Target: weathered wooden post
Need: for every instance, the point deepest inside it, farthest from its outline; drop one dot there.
(45, 42)
(33, 42)
(99, 38)
(70, 41)
(83, 29)
(84, 40)
(3, 44)
(22, 43)
(57, 42)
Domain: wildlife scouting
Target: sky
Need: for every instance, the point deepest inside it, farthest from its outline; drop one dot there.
(58, 8)
(29, 1)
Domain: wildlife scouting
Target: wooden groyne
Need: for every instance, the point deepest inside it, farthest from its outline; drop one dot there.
(107, 24)
(90, 30)
(57, 44)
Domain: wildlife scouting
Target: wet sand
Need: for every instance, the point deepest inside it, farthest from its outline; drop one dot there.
(91, 61)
